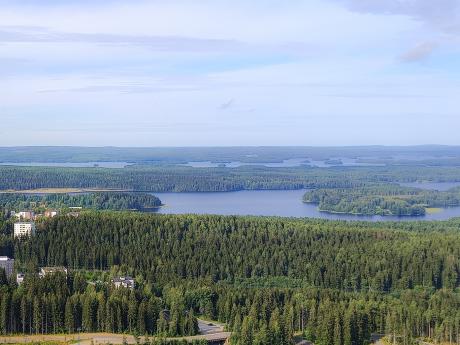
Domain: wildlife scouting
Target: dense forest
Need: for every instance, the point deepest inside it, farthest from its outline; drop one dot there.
(57, 303)
(267, 278)
(188, 179)
(382, 199)
(97, 201)
(421, 155)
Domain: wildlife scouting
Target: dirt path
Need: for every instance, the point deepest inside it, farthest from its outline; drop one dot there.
(209, 330)
(98, 338)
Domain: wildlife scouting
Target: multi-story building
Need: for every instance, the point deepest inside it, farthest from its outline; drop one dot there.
(126, 282)
(24, 229)
(52, 270)
(7, 264)
(51, 213)
(20, 278)
(25, 215)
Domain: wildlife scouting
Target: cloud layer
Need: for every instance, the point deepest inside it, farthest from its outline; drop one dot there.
(148, 73)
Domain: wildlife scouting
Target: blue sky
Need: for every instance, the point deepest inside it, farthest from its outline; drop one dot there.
(209, 73)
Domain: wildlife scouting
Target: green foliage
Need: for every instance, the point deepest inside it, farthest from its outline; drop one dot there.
(354, 257)
(382, 199)
(97, 201)
(56, 304)
(187, 179)
(265, 278)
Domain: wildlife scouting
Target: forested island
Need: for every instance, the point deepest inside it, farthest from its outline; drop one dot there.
(381, 199)
(266, 278)
(95, 201)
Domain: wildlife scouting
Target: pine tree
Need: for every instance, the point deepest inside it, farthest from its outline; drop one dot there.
(69, 317)
(247, 332)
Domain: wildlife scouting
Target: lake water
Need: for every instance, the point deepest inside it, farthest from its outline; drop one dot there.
(284, 203)
(287, 163)
(115, 165)
(440, 186)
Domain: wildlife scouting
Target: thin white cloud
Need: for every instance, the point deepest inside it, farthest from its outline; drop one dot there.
(33, 34)
(419, 52)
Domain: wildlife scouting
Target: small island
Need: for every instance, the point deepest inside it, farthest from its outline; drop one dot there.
(381, 199)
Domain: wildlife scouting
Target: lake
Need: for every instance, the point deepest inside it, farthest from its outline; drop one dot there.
(283, 203)
(287, 163)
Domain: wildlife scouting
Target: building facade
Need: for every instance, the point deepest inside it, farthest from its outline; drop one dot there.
(24, 229)
(51, 213)
(20, 278)
(126, 282)
(44, 271)
(7, 264)
(26, 215)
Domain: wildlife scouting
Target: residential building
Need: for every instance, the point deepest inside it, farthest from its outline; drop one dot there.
(25, 215)
(24, 229)
(126, 282)
(7, 264)
(52, 270)
(20, 278)
(51, 213)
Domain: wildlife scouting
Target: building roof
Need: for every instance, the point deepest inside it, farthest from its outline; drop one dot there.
(122, 279)
(53, 269)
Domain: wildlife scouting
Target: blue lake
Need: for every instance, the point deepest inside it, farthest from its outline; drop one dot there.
(287, 163)
(268, 203)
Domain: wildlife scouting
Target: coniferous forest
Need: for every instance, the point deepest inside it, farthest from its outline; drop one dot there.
(266, 278)
(94, 200)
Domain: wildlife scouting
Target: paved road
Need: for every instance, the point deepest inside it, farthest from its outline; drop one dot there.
(299, 341)
(210, 327)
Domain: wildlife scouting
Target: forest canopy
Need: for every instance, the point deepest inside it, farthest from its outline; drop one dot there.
(96, 201)
(382, 199)
(266, 278)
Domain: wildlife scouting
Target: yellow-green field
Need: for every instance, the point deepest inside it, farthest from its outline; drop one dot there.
(433, 210)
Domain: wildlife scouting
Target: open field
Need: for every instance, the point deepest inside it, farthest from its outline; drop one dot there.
(97, 338)
(209, 330)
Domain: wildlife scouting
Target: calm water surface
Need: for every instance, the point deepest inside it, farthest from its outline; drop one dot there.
(268, 203)
(287, 163)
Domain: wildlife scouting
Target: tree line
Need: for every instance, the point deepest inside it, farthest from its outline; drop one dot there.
(57, 303)
(187, 179)
(94, 200)
(381, 199)
(266, 278)
(340, 255)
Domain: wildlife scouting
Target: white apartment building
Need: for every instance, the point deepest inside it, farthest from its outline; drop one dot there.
(24, 229)
(25, 215)
(126, 282)
(20, 278)
(7, 264)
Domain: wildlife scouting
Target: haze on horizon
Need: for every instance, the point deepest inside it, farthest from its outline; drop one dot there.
(220, 73)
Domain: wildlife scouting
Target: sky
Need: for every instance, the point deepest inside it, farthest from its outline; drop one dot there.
(229, 73)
